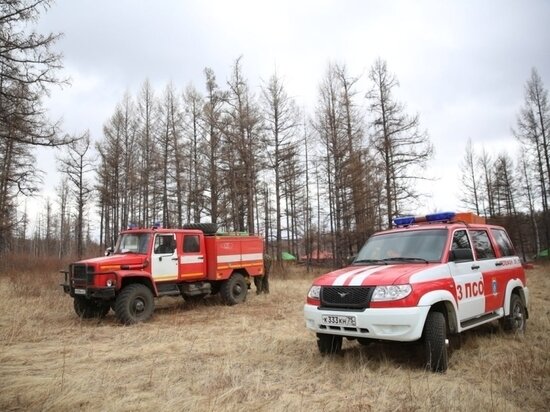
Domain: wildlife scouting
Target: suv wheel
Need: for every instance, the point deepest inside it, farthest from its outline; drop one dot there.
(435, 342)
(515, 322)
(329, 344)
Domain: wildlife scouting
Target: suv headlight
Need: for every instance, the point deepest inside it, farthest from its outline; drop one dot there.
(314, 292)
(393, 292)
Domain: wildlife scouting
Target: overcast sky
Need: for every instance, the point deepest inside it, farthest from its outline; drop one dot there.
(462, 65)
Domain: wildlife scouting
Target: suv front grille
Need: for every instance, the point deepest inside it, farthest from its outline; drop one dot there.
(346, 297)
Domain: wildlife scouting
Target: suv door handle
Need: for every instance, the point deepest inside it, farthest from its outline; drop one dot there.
(499, 264)
(474, 267)
(175, 258)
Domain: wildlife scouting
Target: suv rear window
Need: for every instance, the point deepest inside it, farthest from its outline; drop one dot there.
(503, 242)
(482, 244)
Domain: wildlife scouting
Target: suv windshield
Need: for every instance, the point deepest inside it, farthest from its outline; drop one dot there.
(133, 243)
(409, 246)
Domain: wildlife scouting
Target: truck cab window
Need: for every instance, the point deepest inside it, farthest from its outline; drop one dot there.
(164, 244)
(191, 244)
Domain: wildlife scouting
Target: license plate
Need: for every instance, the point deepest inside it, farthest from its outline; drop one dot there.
(80, 291)
(339, 320)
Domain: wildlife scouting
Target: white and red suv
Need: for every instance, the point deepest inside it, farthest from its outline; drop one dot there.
(431, 277)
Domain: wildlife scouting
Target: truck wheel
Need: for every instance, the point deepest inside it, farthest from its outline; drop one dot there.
(515, 322)
(234, 290)
(207, 228)
(329, 344)
(87, 309)
(134, 304)
(435, 342)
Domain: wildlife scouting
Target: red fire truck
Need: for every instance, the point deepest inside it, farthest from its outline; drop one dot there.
(145, 263)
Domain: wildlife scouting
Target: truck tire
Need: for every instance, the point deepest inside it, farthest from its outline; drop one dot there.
(87, 309)
(435, 342)
(329, 344)
(134, 304)
(515, 322)
(234, 290)
(207, 228)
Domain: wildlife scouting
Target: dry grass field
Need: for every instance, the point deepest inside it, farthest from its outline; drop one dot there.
(255, 356)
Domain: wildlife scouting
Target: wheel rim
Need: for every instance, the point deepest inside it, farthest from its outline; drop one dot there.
(138, 306)
(237, 289)
(517, 316)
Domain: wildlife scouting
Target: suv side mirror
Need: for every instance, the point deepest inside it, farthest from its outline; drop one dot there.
(461, 255)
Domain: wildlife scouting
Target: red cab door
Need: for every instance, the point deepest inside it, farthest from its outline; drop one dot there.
(192, 257)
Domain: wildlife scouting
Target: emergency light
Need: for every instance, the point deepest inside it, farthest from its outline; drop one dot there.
(433, 217)
(464, 217)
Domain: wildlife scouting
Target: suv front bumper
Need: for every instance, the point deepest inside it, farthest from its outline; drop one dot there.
(394, 324)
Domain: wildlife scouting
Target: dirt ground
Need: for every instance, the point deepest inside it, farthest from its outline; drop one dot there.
(254, 356)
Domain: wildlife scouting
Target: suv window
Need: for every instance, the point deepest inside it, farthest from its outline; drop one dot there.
(411, 245)
(482, 244)
(503, 242)
(460, 240)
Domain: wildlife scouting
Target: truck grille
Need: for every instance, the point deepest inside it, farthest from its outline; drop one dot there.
(82, 273)
(346, 297)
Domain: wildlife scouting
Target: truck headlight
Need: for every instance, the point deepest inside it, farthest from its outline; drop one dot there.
(110, 282)
(393, 292)
(314, 292)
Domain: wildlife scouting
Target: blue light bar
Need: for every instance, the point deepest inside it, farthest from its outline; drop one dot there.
(404, 221)
(432, 217)
(440, 217)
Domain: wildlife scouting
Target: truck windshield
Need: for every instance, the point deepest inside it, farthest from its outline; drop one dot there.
(409, 246)
(133, 243)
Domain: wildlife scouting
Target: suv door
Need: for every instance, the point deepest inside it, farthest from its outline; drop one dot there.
(468, 279)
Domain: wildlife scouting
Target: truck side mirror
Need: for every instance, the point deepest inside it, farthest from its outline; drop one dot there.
(109, 251)
(461, 255)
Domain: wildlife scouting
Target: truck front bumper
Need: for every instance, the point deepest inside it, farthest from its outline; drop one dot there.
(394, 324)
(106, 293)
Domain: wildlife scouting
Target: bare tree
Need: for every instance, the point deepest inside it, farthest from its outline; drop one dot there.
(243, 142)
(505, 186)
(18, 177)
(488, 198)
(28, 67)
(533, 124)
(398, 142)
(213, 108)
(193, 120)
(470, 179)
(77, 164)
(280, 116)
(146, 131)
(329, 124)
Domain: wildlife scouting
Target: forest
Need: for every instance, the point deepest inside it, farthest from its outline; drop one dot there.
(315, 183)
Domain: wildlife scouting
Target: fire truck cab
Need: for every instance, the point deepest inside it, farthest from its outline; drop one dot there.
(148, 263)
